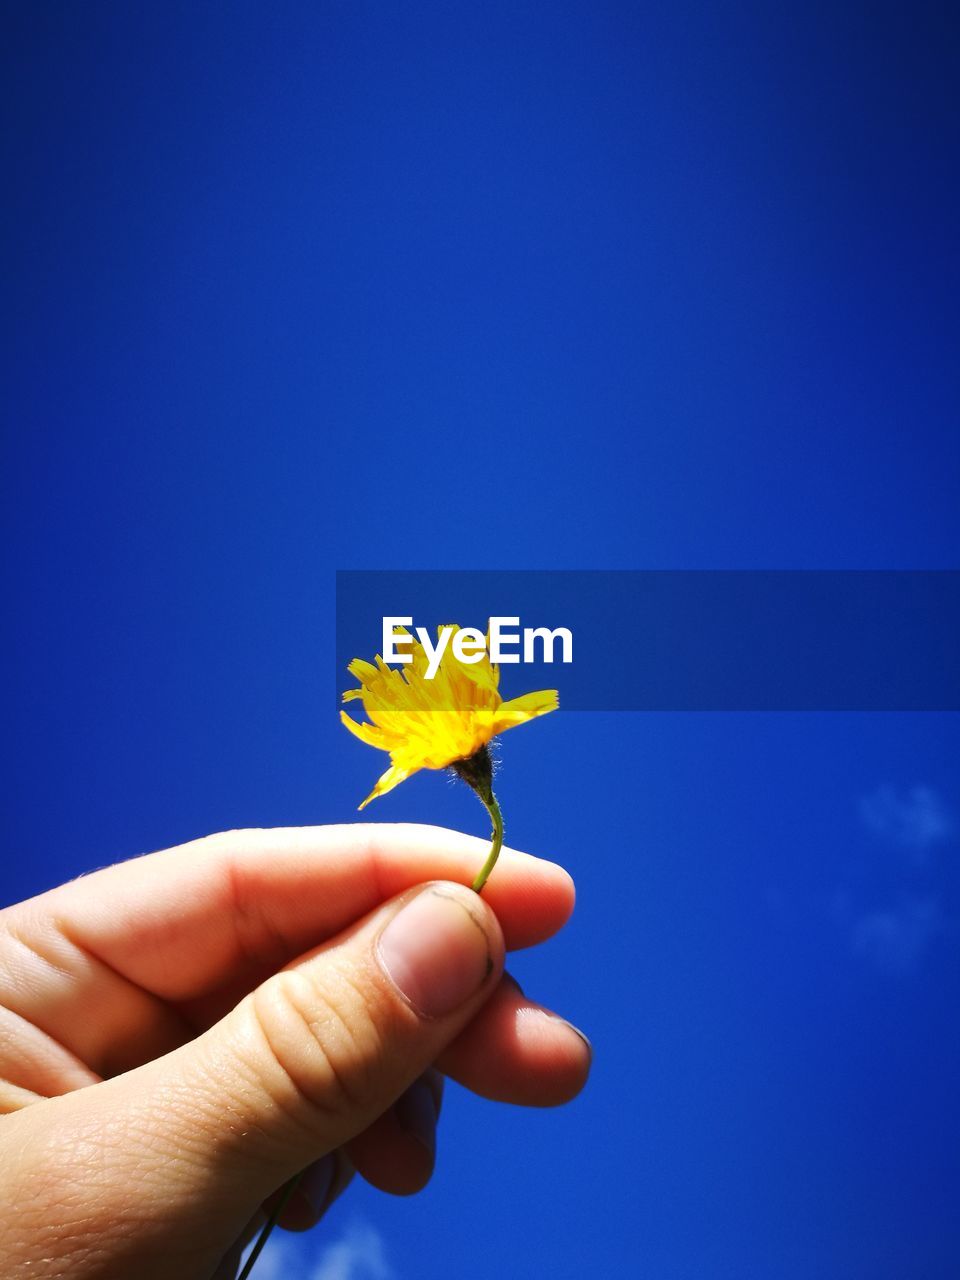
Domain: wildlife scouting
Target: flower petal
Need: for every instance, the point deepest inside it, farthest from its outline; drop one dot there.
(386, 782)
(368, 733)
(527, 707)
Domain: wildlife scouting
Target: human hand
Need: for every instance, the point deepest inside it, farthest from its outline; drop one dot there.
(183, 1033)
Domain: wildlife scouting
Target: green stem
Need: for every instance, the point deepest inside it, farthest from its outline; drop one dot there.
(268, 1226)
(490, 801)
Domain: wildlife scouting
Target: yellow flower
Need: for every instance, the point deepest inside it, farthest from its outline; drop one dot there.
(430, 724)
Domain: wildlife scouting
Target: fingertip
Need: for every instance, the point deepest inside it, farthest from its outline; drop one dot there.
(517, 1051)
(563, 887)
(533, 897)
(557, 1058)
(572, 1058)
(442, 948)
(319, 1186)
(417, 1114)
(397, 1153)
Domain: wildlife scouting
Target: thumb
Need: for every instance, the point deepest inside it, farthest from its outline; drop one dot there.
(182, 1151)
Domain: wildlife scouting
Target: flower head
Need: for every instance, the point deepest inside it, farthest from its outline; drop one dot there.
(430, 724)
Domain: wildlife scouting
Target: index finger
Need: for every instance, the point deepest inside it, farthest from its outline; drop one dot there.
(183, 922)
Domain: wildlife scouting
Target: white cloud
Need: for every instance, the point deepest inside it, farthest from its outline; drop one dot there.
(895, 940)
(893, 908)
(278, 1259)
(358, 1255)
(915, 820)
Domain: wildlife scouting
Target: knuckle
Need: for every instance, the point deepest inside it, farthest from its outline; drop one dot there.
(324, 1047)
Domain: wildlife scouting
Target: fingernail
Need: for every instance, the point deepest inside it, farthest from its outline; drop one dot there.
(435, 951)
(555, 1017)
(316, 1182)
(416, 1112)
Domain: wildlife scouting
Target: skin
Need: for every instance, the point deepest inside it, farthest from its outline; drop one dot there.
(182, 1033)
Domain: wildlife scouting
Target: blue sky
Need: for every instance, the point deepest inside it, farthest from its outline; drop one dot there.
(301, 287)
